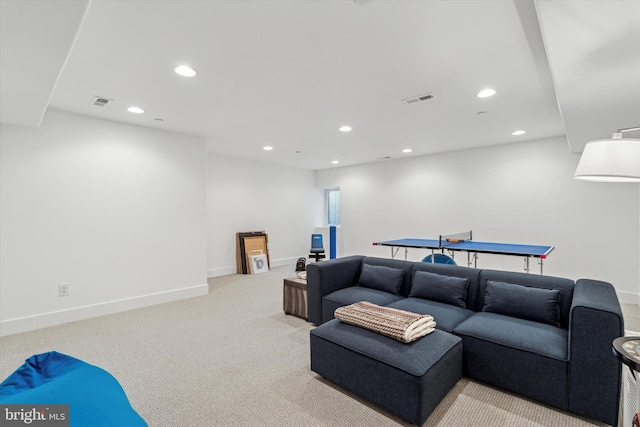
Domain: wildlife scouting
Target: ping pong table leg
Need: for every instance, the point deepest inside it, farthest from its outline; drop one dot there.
(397, 248)
(540, 262)
(473, 256)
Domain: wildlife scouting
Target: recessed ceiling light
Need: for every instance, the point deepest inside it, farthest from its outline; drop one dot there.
(407, 150)
(136, 110)
(345, 129)
(267, 148)
(185, 71)
(486, 93)
(335, 162)
(518, 132)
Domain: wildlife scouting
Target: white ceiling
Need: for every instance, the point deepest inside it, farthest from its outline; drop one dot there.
(290, 73)
(594, 51)
(36, 38)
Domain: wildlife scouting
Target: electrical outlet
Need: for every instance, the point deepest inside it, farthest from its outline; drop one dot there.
(63, 290)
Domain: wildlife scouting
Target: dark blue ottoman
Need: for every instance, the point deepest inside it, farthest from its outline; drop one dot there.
(408, 380)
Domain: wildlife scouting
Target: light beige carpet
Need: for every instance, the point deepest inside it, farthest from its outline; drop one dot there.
(233, 358)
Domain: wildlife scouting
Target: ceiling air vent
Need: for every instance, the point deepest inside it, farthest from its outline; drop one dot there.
(100, 101)
(419, 98)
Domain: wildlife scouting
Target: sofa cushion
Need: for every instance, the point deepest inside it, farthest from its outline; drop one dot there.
(526, 335)
(565, 286)
(436, 287)
(522, 356)
(446, 316)
(413, 358)
(382, 278)
(351, 295)
(473, 290)
(400, 264)
(524, 302)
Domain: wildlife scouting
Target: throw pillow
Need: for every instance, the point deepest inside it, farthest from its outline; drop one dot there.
(524, 302)
(382, 278)
(436, 287)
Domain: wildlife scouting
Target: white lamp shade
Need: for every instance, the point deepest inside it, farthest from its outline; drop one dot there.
(610, 160)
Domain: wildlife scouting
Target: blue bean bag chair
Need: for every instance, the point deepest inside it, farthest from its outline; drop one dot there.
(94, 396)
(439, 259)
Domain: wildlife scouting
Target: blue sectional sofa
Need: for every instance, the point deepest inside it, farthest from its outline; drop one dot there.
(545, 338)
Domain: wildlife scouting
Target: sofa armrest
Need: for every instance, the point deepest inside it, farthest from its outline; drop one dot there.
(328, 276)
(595, 320)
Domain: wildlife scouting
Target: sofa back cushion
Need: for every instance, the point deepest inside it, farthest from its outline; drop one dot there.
(472, 274)
(396, 264)
(523, 302)
(437, 287)
(564, 286)
(381, 278)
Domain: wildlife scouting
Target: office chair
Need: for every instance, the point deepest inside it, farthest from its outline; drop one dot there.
(317, 248)
(439, 259)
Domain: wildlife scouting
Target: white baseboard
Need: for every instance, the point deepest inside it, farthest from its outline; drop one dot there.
(284, 262)
(628, 298)
(222, 271)
(225, 271)
(29, 323)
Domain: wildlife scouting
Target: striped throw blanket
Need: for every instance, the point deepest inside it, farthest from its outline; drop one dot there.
(401, 325)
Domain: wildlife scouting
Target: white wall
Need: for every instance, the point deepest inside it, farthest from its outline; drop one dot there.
(115, 210)
(245, 195)
(519, 193)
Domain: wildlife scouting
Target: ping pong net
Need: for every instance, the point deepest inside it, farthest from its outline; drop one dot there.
(449, 239)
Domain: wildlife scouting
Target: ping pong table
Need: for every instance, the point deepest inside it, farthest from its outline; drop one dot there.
(472, 248)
